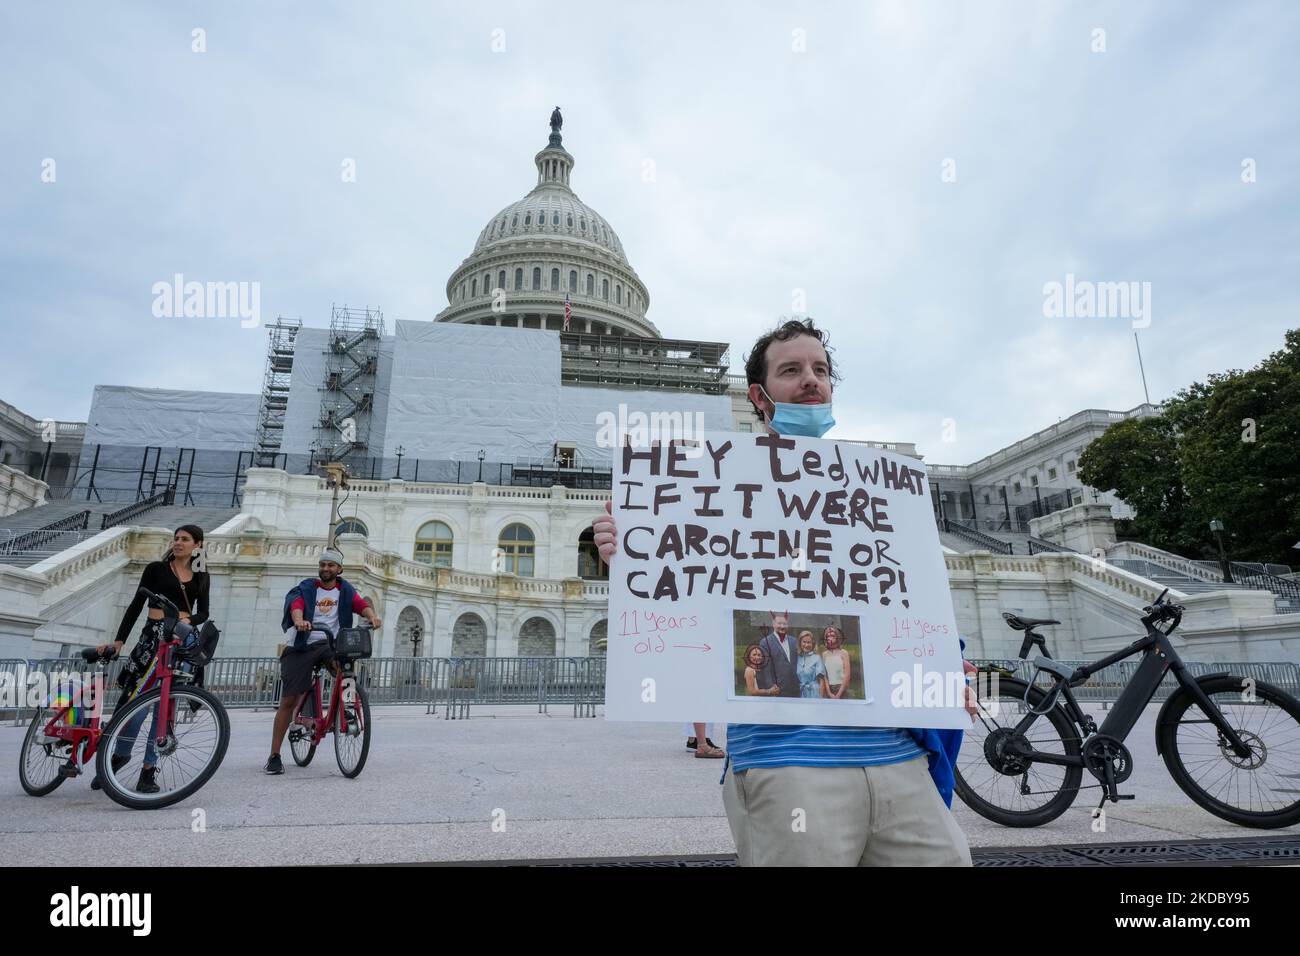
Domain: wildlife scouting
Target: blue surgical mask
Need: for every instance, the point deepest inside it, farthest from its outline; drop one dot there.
(791, 418)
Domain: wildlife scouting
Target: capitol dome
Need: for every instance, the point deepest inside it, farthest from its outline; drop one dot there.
(542, 247)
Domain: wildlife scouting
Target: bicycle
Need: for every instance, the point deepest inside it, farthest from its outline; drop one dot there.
(1219, 766)
(185, 745)
(348, 716)
(64, 733)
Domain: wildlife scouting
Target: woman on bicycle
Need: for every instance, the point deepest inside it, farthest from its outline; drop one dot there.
(175, 578)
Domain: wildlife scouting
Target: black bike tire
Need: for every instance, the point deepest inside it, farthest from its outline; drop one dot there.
(1069, 786)
(293, 750)
(365, 735)
(1167, 740)
(49, 788)
(126, 798)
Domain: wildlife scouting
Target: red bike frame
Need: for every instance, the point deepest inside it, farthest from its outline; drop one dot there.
(320, 724)
(89, 735)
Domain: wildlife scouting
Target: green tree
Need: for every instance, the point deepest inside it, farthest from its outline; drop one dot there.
(1227, 449)
(1137, 459)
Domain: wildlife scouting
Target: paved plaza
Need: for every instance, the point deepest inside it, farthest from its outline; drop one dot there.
(505, 784)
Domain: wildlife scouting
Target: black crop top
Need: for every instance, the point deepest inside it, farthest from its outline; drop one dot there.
(159, 578)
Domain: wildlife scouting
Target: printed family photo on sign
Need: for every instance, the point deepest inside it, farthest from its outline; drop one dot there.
(780, 655)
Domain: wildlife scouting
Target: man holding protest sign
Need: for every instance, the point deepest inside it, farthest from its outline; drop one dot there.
(814, 794)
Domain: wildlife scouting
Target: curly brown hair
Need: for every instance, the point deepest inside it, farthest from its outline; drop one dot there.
(756, 360)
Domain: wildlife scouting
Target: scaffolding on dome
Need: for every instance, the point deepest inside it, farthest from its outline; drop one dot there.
(348, 392)
(281, 338)
(633, 361)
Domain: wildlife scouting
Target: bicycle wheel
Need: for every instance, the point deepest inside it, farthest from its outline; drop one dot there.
(301, 744)
(1007, 789)
(352, 737)
(1261, 790)
(191, 751)
(41, 757)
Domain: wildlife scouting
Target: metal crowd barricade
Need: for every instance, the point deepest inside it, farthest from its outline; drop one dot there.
(398, 680)
(240, 682)
(1106, 685)
(457, 684)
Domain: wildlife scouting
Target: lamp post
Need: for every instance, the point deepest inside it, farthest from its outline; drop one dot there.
(1217, 527)
(399, 460)
(943, 510)
(415, 640)
(480, 464)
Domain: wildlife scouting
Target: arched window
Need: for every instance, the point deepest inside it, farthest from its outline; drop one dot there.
(519, 278)
(555, 219)
(528, 219)
(618, 294)
(473, 287)
(573, 280)
(568, 220)
(537, 277)
(582, 223)
(501, 279)
(590, 565)
(555, 280)
(604, 289)
(352, 526)
(462, 290)
(517, 549)
(514, 221)
(487, 282)
(433, 544)
(591, 284)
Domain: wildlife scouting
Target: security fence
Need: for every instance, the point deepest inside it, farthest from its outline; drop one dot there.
(453, 686)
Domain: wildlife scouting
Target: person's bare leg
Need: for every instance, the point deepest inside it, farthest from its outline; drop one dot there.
(283, 716)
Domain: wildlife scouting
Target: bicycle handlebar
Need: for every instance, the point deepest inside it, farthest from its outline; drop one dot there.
(92, 655)
(322, 629)
(1161, 610)
(158, 599)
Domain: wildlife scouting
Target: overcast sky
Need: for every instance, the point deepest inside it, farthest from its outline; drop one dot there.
(919, 170)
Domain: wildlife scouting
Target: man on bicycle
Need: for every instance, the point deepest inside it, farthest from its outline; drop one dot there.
(327, 600)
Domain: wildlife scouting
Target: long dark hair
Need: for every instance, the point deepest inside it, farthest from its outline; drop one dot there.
(194, 531)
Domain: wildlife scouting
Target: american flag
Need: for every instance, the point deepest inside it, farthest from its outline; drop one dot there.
(567, 311)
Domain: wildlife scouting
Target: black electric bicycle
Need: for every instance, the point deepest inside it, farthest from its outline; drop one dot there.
(1231, 743)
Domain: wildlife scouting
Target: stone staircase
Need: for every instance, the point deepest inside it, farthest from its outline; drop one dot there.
(13, 527)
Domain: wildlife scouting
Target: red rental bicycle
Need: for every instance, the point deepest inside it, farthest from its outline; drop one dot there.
(185, 741)
(348, 716)
(64, 733)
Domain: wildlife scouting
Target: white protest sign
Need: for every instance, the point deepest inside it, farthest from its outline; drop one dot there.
(780, 580)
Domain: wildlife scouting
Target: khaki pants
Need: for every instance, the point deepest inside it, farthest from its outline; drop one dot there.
(890, 815)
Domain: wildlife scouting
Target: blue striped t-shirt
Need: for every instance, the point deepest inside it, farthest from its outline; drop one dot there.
(795, 745)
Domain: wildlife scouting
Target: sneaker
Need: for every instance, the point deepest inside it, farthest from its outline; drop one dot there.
(274, 765)
(118, 761)
(69, 769)
(146, 783)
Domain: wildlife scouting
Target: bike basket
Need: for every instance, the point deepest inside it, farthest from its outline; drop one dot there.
(352, 643)
(200, 644)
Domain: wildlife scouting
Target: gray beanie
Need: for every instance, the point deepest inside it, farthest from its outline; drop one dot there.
(331, 554)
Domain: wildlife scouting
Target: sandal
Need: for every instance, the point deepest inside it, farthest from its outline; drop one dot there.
(710, 751)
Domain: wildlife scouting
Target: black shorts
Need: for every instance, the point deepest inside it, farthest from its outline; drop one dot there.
(296, 665)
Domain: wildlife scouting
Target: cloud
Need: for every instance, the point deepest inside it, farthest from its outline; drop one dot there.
(775, 169)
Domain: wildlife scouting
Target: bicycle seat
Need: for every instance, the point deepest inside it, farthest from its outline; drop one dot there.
(1024, 623)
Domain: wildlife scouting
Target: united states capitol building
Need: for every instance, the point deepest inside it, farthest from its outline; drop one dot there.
(476, 453)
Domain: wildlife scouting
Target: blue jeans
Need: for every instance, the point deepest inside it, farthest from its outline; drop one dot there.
(132, 730)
